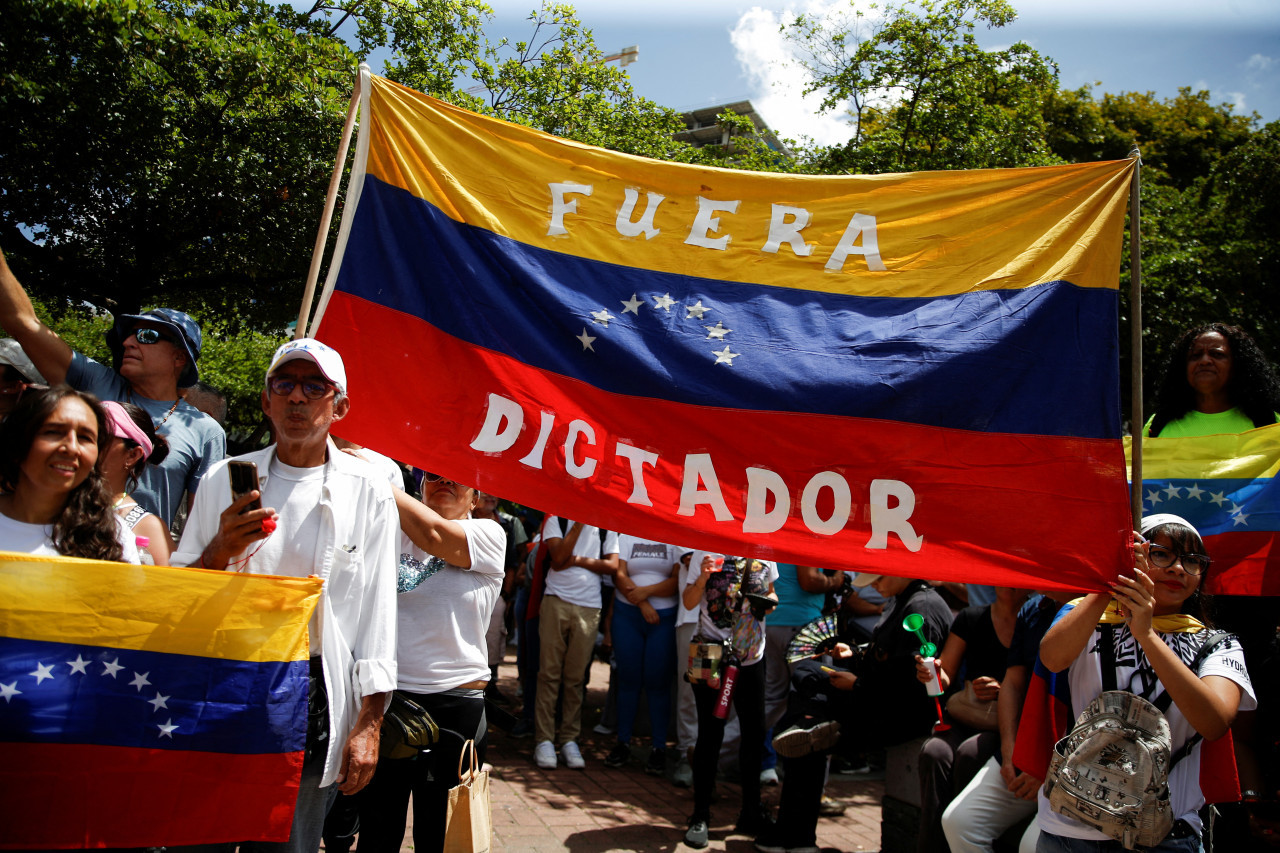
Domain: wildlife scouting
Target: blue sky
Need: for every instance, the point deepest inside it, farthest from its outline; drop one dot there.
(704, 52)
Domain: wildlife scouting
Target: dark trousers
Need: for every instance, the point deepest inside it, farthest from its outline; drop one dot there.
(384, 803)
(748, 701)
(948, 762)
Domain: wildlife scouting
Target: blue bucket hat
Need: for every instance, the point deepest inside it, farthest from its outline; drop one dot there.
(186, 330)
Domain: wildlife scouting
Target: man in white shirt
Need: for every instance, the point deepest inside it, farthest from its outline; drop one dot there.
(570, 617)
(328, 514)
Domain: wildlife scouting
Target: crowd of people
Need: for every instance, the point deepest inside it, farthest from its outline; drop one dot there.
(795, 666)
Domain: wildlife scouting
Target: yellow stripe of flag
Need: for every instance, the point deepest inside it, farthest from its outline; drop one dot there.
(1246, 456)
(933, 233)
(156, 608)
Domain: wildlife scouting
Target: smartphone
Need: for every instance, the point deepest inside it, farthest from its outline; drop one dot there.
(244, 479)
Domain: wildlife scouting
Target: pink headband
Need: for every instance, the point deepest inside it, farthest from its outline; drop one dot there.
(122, 426)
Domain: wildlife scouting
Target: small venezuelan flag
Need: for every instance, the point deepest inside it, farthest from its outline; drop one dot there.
(905, 374)
(1225, 485)
(143, 706)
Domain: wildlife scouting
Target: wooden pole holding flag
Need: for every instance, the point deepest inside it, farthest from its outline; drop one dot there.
(1135, 333)
(330, 200)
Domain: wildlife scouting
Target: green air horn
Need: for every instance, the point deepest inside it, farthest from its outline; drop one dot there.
(913, 623)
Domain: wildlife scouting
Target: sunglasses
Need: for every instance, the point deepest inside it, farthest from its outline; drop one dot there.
(151, 336)
(282, 386)
(436, 478)
(1162, 558)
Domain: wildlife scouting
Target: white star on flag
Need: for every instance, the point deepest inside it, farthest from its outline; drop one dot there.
(160, 701)
(1239, 518)
(78, 665)
(140, 680)
(167, 729)
(587, 340)
(602, 317)
(42, 672)
(1172, 491)
(724, 356)
(696, 311)
(1194, 491)
(664, 302)
(632, 305)
(1218, 498)
(8, 691)
(717, 332)
(112, 668)
(1154, 497)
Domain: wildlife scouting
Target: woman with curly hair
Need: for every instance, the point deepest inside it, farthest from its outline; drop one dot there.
(56, 501)
(1216, 381)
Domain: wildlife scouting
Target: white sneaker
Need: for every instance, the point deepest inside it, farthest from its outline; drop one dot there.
(544, 755)
(572, 757)
(769, 777)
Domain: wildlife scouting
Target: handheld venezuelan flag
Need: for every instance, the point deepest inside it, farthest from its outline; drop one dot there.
(913, 375)
(147, 706)
(1225, 486)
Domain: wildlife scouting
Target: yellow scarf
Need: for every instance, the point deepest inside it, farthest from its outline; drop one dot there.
(1174, 623)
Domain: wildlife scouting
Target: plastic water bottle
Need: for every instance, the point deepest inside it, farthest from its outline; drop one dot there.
(144, 550)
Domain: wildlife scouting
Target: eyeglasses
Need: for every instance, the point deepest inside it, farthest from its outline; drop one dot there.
(436, 478)
(282, 386)
(146, 335)
(1162, 558)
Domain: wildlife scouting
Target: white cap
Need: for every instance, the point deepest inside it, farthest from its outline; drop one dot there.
(322, 356)
(862, 579)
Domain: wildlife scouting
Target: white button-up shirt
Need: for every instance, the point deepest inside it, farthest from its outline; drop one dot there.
(357, 558)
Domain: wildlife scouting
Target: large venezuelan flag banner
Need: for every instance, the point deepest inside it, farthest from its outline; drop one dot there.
(905, 374)
(1226, 486)
(147, 706)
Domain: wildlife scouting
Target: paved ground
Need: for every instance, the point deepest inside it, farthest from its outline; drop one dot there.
(599, 810)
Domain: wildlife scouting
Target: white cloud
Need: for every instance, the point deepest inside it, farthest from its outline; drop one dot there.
(1258, 62)
(776, 78)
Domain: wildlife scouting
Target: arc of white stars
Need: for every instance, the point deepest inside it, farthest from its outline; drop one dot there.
(664, 302)
(632, 305)
(724, 356)
(8, 691)
(42, 672)
(695, 311)
(717, 332)
(586, 340)
(602, 317)
(167, 729)
(78, 665)
(140, 680)
(112, 668)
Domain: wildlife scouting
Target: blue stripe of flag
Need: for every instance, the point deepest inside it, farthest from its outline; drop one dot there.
(1218, 505)
(66, 693)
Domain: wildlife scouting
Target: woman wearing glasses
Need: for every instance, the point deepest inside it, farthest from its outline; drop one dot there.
(451, 571)
(1155, 618)
(56, 501)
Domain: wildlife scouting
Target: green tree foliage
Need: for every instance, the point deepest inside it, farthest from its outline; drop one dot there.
(920, 90)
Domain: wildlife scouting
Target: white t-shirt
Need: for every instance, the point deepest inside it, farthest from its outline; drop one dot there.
(706, 627)
(441, 623)
(37, 539)
(577, 585)
(1134, 673)
(294, 493)
(648, 563)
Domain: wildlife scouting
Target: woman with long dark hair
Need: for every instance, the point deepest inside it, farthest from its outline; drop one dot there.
(134, 444)
(56, 501)
(1216, 380)
(1155, 622)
